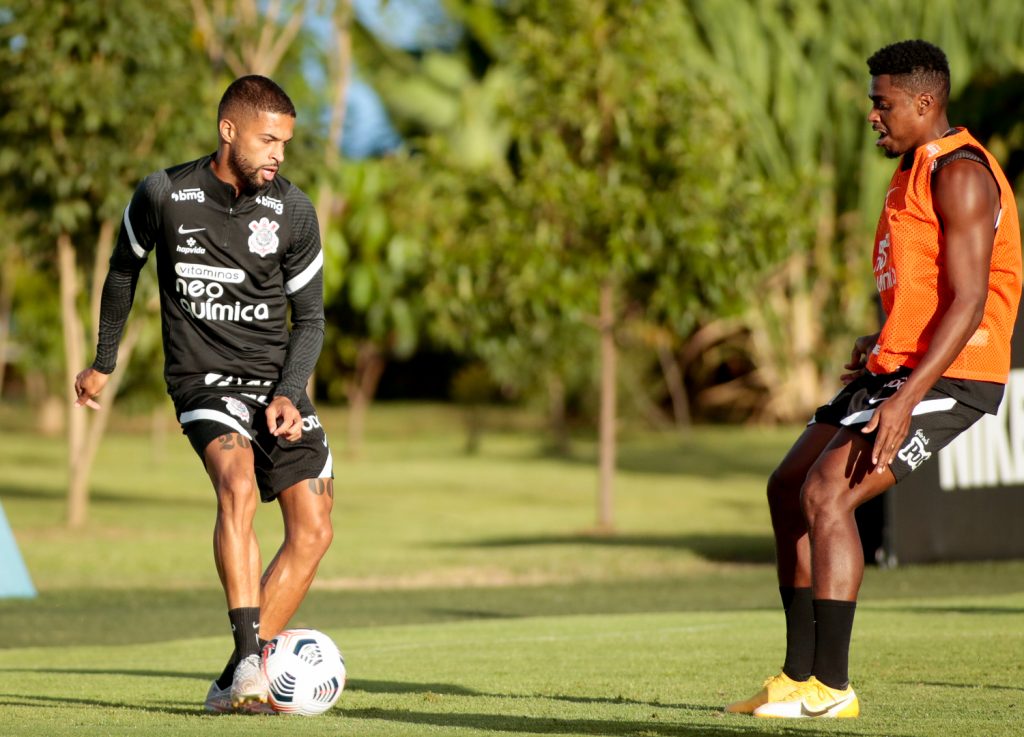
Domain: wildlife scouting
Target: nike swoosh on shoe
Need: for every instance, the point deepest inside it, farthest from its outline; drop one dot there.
(804, 711)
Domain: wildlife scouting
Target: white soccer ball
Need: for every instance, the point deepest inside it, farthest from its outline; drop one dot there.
(306, 672)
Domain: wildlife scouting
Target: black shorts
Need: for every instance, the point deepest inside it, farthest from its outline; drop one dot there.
(208, 413)
(949, 408)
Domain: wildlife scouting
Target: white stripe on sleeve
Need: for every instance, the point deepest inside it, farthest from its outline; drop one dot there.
(300, 280)
(139, 250)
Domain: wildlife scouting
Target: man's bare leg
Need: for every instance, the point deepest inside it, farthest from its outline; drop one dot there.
(229, 463)
(306, 510)
(793, 564)
(841, 480)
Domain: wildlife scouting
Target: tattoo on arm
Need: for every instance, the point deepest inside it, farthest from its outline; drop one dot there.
(229, 440)
(322, 486)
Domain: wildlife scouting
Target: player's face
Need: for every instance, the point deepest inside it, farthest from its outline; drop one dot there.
(894, 116)
(257, 150)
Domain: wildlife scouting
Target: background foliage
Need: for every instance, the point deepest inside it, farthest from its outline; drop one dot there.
(707, 161)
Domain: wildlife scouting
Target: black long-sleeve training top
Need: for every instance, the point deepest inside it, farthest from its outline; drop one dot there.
(228, 267)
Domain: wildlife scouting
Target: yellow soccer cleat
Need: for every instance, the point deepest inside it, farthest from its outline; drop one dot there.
(812, 699)
(773, 689)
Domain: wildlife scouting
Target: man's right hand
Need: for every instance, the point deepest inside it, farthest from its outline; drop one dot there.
(88, 385)
(862, 348)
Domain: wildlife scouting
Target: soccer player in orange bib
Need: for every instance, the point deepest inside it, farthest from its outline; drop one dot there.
(947, 264)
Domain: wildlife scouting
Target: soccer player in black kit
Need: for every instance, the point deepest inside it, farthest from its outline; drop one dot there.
(237, 244)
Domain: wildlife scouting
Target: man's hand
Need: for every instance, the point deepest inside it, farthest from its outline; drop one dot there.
(862, 348)
(88, 385)
(892, 420)
(283, 419)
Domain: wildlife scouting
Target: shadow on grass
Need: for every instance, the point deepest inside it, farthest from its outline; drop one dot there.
(404, 687)
(448, 689)
(36, 701)
(971, 686)
(718, 548)
(103, 496)
(110, 672)
(702, 453)
(655, 727)
(123, 617)
(965, 610)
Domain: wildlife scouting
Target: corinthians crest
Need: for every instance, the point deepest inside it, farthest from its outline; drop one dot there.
(237, 408)
(264, 237)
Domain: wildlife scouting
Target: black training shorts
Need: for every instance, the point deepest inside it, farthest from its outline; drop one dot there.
(948, 408)
(210, 413)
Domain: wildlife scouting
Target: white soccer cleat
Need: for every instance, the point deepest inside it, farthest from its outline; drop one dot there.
(218, 700)
(813, 699)
(249, 687)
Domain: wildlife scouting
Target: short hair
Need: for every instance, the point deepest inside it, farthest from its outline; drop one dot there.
(253, 94)
(915, 66)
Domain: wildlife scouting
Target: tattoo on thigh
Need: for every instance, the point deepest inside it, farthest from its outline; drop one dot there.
(322, 486)
(228, 441)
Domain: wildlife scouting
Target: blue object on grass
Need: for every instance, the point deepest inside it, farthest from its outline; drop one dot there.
(14, 578)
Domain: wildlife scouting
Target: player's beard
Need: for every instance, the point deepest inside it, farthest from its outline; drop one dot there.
(247, 174)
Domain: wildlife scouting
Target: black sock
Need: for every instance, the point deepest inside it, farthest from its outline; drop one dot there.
(833, 624)
(228, 674)
(229, 671)
(245, 628)
(799, 632)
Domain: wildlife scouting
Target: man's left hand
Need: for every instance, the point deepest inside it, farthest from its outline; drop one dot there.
(283, 419)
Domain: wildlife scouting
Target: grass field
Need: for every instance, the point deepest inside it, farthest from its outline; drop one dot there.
(470, 598)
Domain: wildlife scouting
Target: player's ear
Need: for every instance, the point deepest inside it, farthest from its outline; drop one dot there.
(925, 102)
(228, 130)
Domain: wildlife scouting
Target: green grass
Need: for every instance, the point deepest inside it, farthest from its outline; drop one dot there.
(470, 598)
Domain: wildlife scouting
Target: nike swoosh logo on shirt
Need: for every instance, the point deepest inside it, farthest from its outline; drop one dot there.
(876, 400)
(185, 231)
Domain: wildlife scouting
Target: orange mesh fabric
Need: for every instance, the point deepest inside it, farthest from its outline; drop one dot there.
(909, 264)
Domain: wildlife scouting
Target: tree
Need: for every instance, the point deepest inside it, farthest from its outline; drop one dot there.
(247, 37)
(616, 193)
(373, 274)
(797, 75)
(73, 147)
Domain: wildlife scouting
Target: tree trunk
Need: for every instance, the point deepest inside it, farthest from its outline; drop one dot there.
(74, 360)
(86, 427)
(557, 420)
(263, 33)
(6, 305)
(607, 417)
(328, 203)
(676, 388)
(370, 364)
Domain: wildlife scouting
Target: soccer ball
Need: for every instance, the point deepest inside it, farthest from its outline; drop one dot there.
(306, 672)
